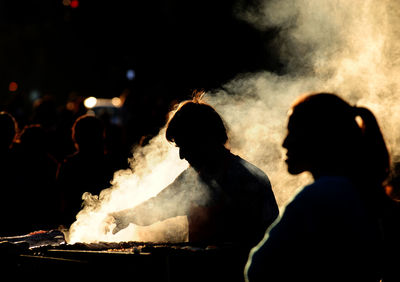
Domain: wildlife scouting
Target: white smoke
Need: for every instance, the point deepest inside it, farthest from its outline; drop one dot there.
(153, 167)
(348, 47)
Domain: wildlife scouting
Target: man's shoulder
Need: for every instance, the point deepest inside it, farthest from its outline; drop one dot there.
(243, 169)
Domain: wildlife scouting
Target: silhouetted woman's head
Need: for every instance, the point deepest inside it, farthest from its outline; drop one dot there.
(326, 135)
(197, 129)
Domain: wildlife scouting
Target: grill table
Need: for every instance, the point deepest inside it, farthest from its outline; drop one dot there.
(137, 261)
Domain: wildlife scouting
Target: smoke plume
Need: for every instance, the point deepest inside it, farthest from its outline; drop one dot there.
(153, 167)
(347, 47)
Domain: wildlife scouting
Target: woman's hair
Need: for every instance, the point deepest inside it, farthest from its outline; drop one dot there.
(347, 136)
(196, 120)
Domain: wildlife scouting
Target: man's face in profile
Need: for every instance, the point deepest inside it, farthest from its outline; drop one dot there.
(193, 152)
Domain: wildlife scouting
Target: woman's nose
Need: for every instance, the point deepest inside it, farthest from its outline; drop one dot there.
(285, 142)
(181, 154)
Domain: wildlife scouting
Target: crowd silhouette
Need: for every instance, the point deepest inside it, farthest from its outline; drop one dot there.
(49, 158)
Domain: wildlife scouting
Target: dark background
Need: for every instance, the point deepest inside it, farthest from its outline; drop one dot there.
(174, 47)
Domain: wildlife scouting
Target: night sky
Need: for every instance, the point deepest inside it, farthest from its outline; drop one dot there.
(174, 47)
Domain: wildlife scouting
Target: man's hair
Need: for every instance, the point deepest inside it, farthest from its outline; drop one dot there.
(196, 120)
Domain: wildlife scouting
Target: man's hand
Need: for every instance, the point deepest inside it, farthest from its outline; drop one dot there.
(120, 219)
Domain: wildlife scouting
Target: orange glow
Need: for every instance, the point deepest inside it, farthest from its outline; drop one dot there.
(116, 101)
(74, 4)
(13, 86)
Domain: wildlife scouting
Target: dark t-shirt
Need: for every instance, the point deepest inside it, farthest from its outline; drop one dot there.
(235, 205)
(326, 233)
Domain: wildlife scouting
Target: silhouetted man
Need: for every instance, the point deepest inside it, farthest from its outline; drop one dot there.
(225, 198)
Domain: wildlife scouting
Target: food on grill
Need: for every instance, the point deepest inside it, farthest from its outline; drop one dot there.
(47, 253)
(37, 239)
(139, 247)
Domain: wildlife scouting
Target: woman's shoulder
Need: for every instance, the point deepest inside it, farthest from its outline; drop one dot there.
(330, 182)
(328, 189)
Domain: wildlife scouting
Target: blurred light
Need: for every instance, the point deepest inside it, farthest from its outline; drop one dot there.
(70, 106)
(34, 95)
(116, 102)
(66, 2)
(74, 4)
(13, 86)
(130, 74)
(90, 102)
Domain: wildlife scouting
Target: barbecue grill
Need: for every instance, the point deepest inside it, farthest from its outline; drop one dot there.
(137, 261)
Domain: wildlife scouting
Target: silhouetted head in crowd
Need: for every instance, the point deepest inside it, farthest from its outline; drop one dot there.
(328, 136)
(33, 137)
(8, 128)
(45, 111)
(199, 132)
(88, 134)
